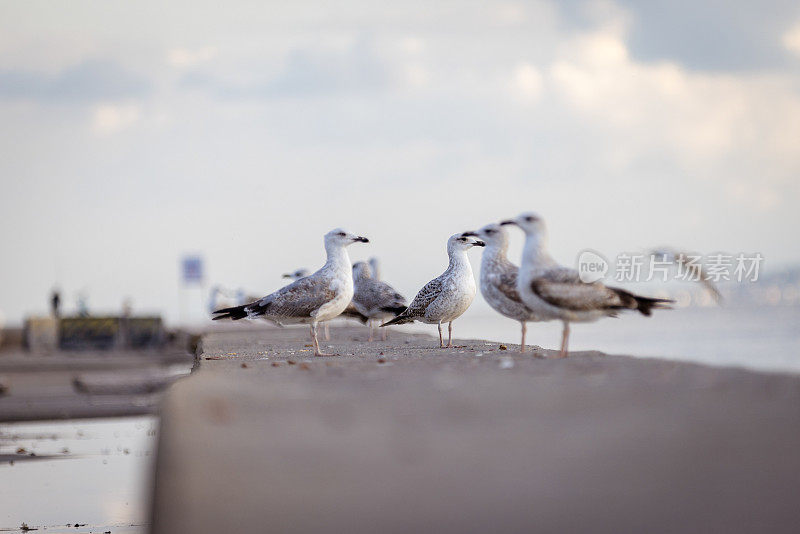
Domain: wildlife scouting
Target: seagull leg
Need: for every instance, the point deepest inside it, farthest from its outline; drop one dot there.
(370, 325)
(327, 332)
(449, 334)
(384, 334)
(317, 352)
(564, 340)
(441, 341)
(524, 329)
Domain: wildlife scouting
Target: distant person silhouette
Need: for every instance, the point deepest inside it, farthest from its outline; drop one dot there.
(55, 303)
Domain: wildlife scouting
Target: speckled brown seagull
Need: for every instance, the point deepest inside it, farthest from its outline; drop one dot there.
(498, 279)
(446, 297)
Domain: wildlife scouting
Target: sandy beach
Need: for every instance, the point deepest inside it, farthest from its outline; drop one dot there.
(401, 436)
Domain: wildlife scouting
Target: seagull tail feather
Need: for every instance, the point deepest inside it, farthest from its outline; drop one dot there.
(646, 305)
(396, 310)
(400, 319)
(235, 313)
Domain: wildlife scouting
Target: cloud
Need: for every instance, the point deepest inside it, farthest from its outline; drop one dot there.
(707, 121)
(791, 39)
(89, 81)
(184, 57)
(357, 70)
(527, 82)
(310, 72)
(111, 118)
(735, 35)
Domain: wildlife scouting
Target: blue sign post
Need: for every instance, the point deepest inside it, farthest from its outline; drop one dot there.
(192, 270)
(191, 289)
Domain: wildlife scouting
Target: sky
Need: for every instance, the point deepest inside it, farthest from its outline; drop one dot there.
(135, 132)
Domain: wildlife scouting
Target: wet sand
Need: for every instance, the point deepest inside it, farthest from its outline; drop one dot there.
(401, 436)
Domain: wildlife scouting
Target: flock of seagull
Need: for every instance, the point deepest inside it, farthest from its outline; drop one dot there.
(538, 290)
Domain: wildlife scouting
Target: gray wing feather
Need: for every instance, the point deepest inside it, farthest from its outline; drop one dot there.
(560, 289)
(371, 294)
(506, 283)
(426, 295)
(562, 275)
(298, 299)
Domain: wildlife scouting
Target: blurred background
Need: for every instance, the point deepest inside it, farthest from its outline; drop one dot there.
(137, 135)
(162, 158)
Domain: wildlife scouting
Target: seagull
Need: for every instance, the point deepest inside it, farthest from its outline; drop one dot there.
(296, 275)
(373, 298)
(696, 272)
(220, 295)
(446, 297)
(498, 278)
(350, 312)
(375, 265)
(314, 299)
(554, 292)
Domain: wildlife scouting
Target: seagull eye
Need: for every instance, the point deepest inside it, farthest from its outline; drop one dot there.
(490, 231)
(530, 219)
(342, 234)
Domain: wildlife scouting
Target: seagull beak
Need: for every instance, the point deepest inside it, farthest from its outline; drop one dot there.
(506, 223)
(469, 234)
(479, 243)
(360, 239)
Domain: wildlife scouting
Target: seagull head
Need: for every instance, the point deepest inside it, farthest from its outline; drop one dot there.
(494, 235)
(463, 242)
(343, 238)
(530, 223)
(361, 269)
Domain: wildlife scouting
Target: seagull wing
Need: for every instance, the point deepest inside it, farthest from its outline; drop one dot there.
(298, 299)
(417, 308)
(372, 295)
(506, 283)
(426, 295)
(576, 296)
(562, 287)
(386, 296)
(695, 269)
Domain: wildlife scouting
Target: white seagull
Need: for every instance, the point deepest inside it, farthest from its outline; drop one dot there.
(316, 298)
(374, 299)
(552, 291)
(297, 275)
(498, 279)
(694, 269)
(446, 297)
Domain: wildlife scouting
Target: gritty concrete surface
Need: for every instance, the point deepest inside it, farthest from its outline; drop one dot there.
(404, 437)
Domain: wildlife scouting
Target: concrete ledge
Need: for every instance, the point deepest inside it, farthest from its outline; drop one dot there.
(454, 441)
